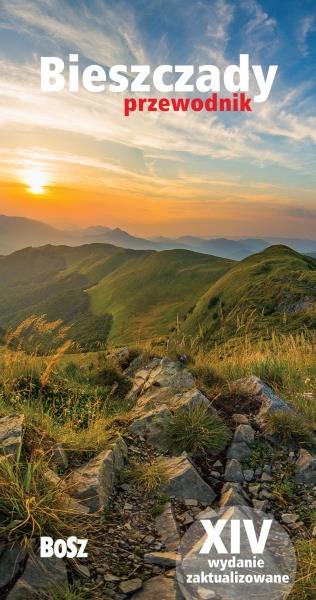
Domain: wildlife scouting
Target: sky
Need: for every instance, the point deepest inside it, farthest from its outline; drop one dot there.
(73, 159)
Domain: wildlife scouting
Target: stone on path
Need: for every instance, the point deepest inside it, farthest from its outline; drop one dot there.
(269, 401)
(159, 588)
(233, 495)
(244, 433)
(40, 575)
(239, 451)
(162, 559)
(131, 585)
(167, 528)
(184, 481)
(306, 468)
(240, 419)
(233, 471)
(93, 483)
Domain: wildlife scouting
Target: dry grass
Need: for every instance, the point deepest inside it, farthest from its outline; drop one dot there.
(305, 587)
(147, 476)
(286, 362)
(31, 503)
(96, 437)
(289, 428)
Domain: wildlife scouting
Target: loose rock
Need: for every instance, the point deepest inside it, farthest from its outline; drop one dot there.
(306, 468)
(167, 529)
(233, 471)
(162, 559)
(185, 482)
(93, 483)
(11, 429)
(41, 574)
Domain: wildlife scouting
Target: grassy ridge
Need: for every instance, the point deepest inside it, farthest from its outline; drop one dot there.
(275, 289)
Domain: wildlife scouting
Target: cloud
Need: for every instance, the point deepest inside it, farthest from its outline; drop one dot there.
(306, 26)
(299, 212)
(260, 29)
(214, 31)
(108, 34)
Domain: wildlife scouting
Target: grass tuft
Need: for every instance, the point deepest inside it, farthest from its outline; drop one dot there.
(289, 428)
(31, 503)
(148, 477)
(197, 430)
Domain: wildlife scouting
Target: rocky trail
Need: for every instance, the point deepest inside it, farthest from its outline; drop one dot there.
(134, 536)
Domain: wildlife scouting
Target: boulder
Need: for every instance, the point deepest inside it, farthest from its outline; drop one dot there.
(233, 471)
(306, 468)
(167, 529)
(93, 483)
(40, 575)
(122, 355)
(191, 399)
(69, 503)
(152, 423)
(159, 588)
(11, 429)
(239, 451)
(244, 433)
(153, 426)
(159, 381)
(269, 402)
(12, 557)
(184, 481)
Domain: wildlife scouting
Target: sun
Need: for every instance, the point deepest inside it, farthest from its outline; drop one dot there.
(36, 181)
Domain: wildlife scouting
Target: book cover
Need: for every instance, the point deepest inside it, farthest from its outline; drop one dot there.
(157, 300)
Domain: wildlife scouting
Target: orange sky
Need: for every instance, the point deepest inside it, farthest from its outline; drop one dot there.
(142, 215)
(155, 174)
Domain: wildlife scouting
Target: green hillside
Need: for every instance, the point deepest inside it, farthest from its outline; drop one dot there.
(103, 291)
(145, 297)
(275, 289)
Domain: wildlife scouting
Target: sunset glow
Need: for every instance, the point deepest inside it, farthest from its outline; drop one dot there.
(36, 181)
(243, 174)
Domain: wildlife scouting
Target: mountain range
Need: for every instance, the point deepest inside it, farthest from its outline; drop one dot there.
(18, 232)
(105, 293)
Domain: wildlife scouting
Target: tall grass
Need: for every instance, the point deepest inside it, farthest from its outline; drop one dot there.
(61, 401)
(31, 503)
(286, 362)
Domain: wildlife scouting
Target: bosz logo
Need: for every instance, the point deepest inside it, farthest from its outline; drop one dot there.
(72, 547)
(257, 545)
